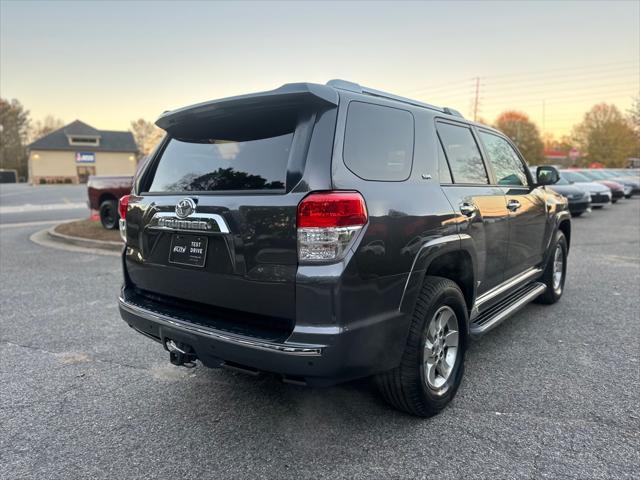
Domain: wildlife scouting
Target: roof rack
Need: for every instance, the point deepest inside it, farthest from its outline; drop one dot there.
(357, 88)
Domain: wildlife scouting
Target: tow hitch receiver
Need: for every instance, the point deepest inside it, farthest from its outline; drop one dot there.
(180, 354)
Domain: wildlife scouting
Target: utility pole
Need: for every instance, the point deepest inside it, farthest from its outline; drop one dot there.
(543, 115)
(475, 101)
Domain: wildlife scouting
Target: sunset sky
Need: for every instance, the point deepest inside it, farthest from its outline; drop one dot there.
(108, 63)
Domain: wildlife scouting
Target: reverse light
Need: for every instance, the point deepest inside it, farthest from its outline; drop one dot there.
(328, 223)
(123, 206)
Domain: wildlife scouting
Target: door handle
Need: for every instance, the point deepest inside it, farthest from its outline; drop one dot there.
(468, 209)
(513, 205)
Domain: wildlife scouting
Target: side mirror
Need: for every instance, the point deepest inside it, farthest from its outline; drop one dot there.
(547, 175)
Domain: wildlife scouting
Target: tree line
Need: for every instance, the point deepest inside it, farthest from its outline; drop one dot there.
(604, 135)
(17, 131)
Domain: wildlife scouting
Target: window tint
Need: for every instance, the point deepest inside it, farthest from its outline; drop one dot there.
(443, 167)
(378, 143)
(463, 154)
(506, 164)
(213, 164)
(574, 176)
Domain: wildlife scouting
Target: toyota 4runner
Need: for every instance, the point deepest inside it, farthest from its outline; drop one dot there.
(329, 232)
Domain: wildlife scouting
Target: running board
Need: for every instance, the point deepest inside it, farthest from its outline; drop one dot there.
(494, 315)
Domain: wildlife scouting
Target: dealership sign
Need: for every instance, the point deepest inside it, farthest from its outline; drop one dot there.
(85, 157)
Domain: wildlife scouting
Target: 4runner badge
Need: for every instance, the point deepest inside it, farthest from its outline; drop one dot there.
(185, 207)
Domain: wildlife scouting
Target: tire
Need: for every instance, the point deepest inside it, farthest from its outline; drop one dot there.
(554, 288)
(576, 214)
(109, 214)
(410, 387)
(614, 201)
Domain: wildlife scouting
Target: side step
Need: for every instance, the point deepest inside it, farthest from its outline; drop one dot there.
(494, 315)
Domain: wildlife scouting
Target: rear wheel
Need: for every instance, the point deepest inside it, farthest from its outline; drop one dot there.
(432, 364)
(555, 271)
(109, 214)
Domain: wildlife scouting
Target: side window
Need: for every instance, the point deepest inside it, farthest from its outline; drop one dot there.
(505, 161)
(378, 142)
(443, 167)
(463, 154)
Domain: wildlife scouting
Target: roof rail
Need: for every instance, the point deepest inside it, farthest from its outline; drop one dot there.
(357, 88)
(452, 111)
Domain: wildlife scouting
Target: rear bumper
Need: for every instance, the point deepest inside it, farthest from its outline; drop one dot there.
(334, 355)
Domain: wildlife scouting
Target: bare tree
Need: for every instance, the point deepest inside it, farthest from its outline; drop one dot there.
(146, 135)
(14, 127)
(606, 136)
(524, 133)
(44, 127)
(634, 116)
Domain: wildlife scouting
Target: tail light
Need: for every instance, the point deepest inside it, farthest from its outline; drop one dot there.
(328, 223)
(123, 206)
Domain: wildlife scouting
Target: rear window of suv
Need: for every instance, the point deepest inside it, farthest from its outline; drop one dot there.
(378, 143)
(218, 164)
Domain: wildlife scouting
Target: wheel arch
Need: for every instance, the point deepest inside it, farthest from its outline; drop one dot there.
(106, 196)
(452, 257)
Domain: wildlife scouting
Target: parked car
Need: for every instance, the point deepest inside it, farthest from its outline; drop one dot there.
(618, 189)
(579, 199)
(330, 232)
(631, 184)
(600, 194)
(104, 193)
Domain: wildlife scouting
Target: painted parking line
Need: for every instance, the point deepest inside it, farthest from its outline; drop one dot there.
(42, 208)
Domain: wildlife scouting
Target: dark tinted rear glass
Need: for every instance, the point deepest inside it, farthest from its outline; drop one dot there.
(378, 142)
(443, 166)
(218, 165)
(463, 154)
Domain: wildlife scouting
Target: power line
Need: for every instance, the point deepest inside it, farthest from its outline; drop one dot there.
(583, 67)
(583, 80)
(594, 89)
(532, 75)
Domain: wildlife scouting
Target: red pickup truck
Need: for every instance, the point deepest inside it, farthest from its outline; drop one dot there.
(104, 193)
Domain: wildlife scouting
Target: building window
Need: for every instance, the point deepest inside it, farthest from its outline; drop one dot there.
(95, 141)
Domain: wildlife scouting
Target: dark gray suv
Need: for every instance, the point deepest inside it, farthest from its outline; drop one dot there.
(324, 233)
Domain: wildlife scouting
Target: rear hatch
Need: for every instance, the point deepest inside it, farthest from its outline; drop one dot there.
(212, 224)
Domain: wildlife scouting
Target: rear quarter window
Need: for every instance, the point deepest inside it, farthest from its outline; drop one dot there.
(378, 143)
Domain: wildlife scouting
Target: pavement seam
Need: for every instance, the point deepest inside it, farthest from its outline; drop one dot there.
(93, 358)
(557, 418)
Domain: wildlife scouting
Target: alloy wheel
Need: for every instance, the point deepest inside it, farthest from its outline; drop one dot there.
(441, 348)
(558, 269)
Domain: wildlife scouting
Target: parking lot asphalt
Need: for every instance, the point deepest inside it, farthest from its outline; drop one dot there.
(22, 202)
(554, 392)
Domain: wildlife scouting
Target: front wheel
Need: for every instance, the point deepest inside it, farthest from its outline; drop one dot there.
(432, 364)
(555, 272)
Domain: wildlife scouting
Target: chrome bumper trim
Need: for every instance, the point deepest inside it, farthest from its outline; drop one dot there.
(284, 348)
(196, 222)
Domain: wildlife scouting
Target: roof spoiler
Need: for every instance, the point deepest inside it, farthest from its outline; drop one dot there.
(287, 97)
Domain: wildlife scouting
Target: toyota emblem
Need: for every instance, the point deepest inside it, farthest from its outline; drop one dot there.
(185, 207)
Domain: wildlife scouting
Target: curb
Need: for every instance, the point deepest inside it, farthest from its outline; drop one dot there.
(83, 242)
(48, 238)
